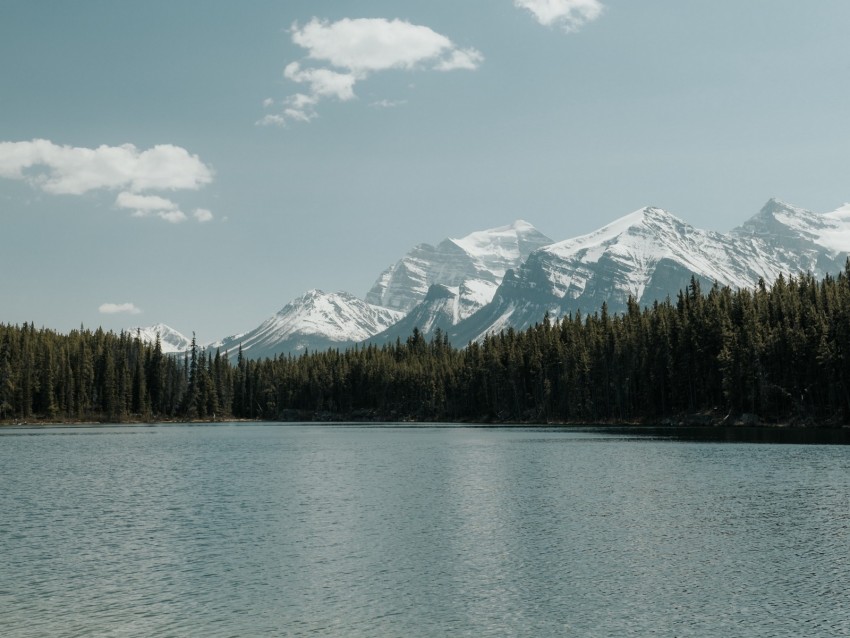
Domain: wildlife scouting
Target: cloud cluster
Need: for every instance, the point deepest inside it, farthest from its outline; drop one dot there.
(350, 50)
(569, 14)
(119, 309)
(72, 170)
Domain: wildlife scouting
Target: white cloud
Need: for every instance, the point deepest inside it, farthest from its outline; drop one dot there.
(370, 44)
(172, 216)
(271, 120)
(155, 206)
(151, 206)
(299, 114)
(72, 170)
(570, 14)
(76, 170)
(119, 308)
(323, 82)
(143, 202)
(202, 215)
(468, 59)
(356, 48)
(388, 104)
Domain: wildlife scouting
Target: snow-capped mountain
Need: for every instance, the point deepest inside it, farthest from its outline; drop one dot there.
(170, 340)
(315, 321)
(651, 254)
(441, 309)
(513, 275)
(474, 264)
(781, 234)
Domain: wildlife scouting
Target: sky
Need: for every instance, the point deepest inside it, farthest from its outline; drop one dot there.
(202, 164)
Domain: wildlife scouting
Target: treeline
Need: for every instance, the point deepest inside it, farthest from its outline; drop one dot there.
(778, 353)
(99, 375)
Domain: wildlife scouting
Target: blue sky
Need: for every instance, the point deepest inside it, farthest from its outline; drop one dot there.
(201, 164)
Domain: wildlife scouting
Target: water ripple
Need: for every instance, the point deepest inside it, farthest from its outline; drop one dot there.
(306, 531)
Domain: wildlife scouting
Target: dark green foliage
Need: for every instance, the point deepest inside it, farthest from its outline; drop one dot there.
(782, 353)
(85, 375)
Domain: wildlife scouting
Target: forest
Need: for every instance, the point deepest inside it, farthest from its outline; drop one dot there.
(775, 354)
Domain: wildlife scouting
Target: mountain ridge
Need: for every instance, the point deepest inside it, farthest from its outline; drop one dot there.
(314, 321)
(512, 275)
(650, 254)
(479, 258)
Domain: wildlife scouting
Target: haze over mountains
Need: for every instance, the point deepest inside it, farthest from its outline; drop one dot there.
(513, 275)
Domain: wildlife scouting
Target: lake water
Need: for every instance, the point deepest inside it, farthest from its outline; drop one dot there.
(273, 530)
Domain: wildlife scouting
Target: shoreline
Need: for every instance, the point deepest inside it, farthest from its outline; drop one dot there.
(689, 421)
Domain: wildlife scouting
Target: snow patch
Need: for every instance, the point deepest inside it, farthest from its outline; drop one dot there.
(170, 340)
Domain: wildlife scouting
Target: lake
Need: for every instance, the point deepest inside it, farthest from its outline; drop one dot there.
(334, 530)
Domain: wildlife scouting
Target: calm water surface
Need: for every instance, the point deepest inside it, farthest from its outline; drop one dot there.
(244, 530)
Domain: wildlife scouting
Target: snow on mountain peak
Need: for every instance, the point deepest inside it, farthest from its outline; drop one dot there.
(314, 321)
(779, 225)
(170, 340)
(650, 254)
(483, 255)
(631, 246)
(339, 316)
(460, 285)
(645, 227)
(841, 214)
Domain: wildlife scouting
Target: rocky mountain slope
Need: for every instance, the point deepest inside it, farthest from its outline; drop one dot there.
(513, 275)
(651, 254)
(474, 264)
(314, 321)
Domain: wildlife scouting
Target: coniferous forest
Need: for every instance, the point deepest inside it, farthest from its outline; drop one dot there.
(778, 354)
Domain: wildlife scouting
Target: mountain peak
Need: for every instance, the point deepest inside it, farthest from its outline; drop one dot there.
(314, 321)
(655, 213)
(512, 275)
(513, 230)
(639, 221)
(482, 256)
(170, 340)
(775, 205)
(777, 217)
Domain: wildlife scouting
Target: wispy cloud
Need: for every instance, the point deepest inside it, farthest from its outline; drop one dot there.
(569, 14)
(388, 104)
(144, 202)
(202, 215)
(151, 206)
(119, 309)
(155, 206)
(72, 170)
(461, 59)
(341, 54)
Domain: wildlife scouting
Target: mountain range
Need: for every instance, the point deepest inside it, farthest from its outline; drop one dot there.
(511, 276)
